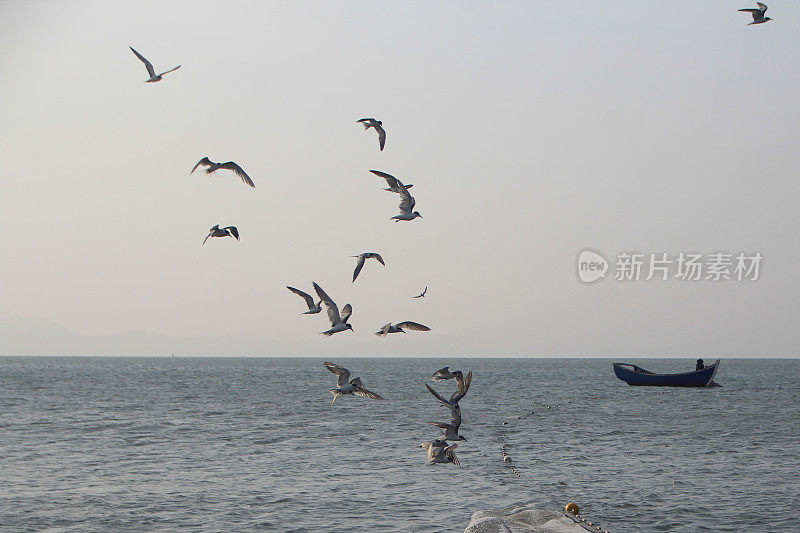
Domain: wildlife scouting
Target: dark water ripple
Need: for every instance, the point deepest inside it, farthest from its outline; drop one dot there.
(132, 444)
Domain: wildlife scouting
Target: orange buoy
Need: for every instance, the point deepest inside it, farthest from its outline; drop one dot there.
(572, 508)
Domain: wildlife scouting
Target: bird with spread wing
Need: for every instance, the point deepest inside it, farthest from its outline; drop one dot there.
(149, 66)
(393, 183)
(212, 167)
(758, 14)
(401, 327)
(440, 453)
(216, 231)
(345, 385)
(378, 125)
(362, 258)
(313, 308)
(338, 322)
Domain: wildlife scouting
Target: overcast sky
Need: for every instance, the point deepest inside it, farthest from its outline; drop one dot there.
(530, 130)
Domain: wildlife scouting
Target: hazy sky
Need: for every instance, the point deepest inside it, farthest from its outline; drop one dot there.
(530, 130)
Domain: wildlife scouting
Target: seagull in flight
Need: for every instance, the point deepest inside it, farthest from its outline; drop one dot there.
(422, 294)
(394, 183)
(312, 307)
(444, 373)
(450, 431)
(758, 14)
(440, 454)
(216, 231)
(362, 258)
(378, 125)
(407, 203)
(400, 328)
(230, 165)
(452, 403)
(149, 66)
(343, 386)
(338, 322)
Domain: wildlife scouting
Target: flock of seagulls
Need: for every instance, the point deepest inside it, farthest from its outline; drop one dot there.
(337, 319)
(438, 450)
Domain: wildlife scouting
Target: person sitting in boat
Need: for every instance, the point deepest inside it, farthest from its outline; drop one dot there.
(700, 365)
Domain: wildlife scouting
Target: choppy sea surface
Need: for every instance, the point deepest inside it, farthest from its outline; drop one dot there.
(236, 444)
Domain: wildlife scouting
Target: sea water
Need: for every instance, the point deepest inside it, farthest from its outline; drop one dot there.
(240, 444)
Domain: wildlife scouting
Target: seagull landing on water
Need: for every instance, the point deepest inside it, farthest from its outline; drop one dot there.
(216, 231)
(338, 322)
(149, 66)
(440, 454)
(362, 258)
(378, 125)
(400, 327)
(422, 294)
(230, 165)
(394, 183)
(758, 14)
(312, 307)
(343, 386)
(407, 203)
(444, 373)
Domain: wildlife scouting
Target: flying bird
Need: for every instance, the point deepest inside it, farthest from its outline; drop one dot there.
(216, 231)
(362, 258)
(343, 386)
(452, 403)
(312, 307)
(377, 124)
(230, 165)
(450, 431)
(400, 327)
(394, 183)
(338, 322)
(422, 294)
(444, 373)
(758, 14)
(407, 203)
(440, 454)
(149, 66)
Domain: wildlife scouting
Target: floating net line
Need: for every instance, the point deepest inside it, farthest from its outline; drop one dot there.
(508, 462)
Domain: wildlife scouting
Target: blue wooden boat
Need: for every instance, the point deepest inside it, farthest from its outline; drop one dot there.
(634, 375)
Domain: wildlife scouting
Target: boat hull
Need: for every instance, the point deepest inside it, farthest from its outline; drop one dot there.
(634, 375)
